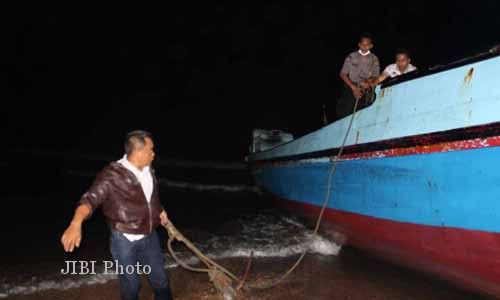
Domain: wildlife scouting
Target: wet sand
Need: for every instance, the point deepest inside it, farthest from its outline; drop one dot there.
(351, 275)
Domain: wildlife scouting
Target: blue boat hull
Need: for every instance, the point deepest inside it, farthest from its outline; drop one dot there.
(437, 212)
(418, 182)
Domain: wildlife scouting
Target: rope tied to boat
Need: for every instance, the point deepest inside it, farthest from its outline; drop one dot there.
(222, 278)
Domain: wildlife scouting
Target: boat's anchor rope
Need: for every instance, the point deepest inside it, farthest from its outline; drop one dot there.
(223, 278)
(220, 276)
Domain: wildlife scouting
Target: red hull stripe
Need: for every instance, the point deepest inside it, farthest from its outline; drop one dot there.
(441, 147)
(456, 139)
(468, 258)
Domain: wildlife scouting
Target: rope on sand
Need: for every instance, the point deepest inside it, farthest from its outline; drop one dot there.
(223, 278)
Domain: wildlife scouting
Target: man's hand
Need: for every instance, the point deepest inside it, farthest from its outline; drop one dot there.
(379, 79)
(72, 236)
(164, 218)
(356, 91)
(365, 84)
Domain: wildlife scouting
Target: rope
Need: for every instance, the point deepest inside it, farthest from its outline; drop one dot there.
(325, 202)
(221, 277)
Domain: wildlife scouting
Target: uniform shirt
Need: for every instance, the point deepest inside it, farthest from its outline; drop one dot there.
(359, 67)
(393, 70)
(146, 180)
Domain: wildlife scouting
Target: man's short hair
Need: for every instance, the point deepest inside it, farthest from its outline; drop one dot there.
(367, 36)
(404, 52)
(135, 140)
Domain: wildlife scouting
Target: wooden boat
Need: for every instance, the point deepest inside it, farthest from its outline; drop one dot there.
(418, 182)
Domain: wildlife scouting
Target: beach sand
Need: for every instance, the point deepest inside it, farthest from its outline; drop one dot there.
(350, 275)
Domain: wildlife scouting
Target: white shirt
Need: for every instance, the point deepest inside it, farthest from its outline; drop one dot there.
(146, 180)
(393, 70)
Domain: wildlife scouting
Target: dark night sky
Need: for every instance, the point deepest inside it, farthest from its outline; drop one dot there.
(200, 77)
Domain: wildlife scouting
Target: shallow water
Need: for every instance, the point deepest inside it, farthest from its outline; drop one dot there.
(218, 209)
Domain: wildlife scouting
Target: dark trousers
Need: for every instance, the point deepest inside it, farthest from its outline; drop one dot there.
(346, 101)
(146, 251)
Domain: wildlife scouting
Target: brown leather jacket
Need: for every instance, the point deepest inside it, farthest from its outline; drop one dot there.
(123, 201)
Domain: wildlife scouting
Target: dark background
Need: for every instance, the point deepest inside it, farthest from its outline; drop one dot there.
(74, 80)
(201, 76)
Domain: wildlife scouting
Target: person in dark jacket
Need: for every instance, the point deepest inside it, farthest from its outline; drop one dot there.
(127, 191)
